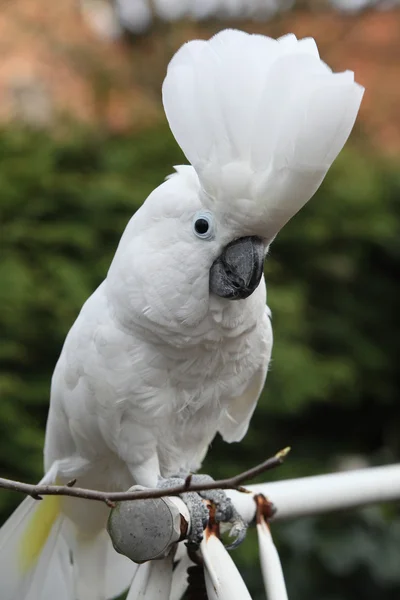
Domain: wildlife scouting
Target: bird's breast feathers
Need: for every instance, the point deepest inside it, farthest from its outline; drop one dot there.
(108, 378)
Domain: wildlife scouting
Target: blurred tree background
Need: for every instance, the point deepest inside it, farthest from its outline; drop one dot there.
(333, 278)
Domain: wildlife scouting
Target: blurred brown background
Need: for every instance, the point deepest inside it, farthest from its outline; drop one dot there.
(76, 58)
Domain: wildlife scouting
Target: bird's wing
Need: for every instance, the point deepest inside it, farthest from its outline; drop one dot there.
(235, 419)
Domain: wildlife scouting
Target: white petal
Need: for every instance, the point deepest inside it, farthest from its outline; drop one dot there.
(223, 580)
(274, 581)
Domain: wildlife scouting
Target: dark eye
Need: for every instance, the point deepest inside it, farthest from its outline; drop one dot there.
(203, 225)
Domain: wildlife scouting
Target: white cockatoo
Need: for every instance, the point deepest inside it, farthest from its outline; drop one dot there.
(174, 345)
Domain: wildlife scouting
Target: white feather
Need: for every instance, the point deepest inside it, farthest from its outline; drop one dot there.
(152, 581)
(119, 572)
(99, 572)
(28, 547)
(180, 577)
(259, 119)
(59, 576)
(35, 556)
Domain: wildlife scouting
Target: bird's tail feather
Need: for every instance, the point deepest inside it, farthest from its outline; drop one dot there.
(152, 581)
(100, 573)
(39, 562)
(32, 551)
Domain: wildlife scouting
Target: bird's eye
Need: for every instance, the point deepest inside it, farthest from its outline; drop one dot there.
(203, 225)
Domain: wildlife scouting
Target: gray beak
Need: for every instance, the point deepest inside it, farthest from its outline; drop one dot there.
(236, 273)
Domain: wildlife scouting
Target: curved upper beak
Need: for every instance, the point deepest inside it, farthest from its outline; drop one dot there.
(236, 273)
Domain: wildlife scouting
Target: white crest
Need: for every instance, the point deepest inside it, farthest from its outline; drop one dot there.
(259, 119)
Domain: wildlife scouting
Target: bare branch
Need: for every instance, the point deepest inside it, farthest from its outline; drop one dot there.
(231, 483)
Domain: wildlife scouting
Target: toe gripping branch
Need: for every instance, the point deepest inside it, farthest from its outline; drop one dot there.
(147, 529)
(212, 507)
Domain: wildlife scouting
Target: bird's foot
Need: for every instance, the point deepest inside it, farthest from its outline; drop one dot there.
(225, 512)
(197, 509)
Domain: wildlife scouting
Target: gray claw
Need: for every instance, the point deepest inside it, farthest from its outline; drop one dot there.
(225, 511)
(239, 530)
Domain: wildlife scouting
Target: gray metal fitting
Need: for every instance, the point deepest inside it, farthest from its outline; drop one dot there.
(145, 530)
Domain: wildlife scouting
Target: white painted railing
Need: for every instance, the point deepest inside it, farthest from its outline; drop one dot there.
(291, 498)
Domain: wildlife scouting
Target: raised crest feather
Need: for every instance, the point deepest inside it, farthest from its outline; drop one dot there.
(259, 119)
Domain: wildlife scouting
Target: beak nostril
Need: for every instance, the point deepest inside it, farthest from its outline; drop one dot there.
(236, 281)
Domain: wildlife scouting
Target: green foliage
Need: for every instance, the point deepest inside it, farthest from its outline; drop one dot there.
(333, 288)
(64, 205)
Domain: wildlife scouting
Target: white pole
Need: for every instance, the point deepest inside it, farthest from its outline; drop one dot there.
(292, 498)
(323, 493)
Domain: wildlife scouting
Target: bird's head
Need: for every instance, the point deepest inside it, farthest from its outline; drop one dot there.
(260, 121)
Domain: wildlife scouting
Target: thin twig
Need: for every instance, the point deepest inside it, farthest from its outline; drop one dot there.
(232, 483)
